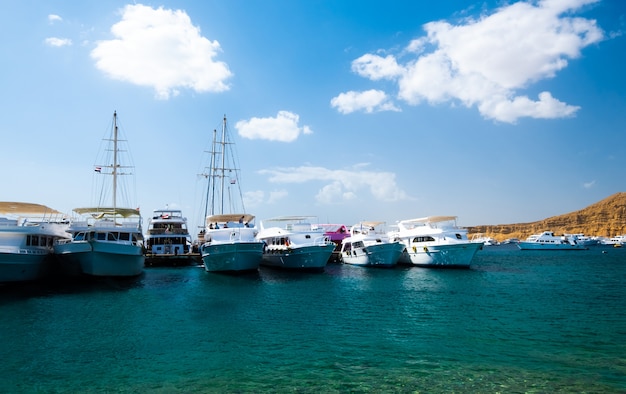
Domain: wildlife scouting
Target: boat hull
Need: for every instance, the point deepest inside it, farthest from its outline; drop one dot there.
(232, 257)
(379, 255)
(547, 246)
(101, 259)
(23, 267)
(313, 258)
(441, 256)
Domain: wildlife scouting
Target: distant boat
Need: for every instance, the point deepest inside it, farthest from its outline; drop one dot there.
(583, 239)
(368, 245)
(27, 235)
(106, 239)
(485, 240)
(228, 239)
(168, 242)
(617, 241)
(435, 241)
(548, 241)
(295, 243)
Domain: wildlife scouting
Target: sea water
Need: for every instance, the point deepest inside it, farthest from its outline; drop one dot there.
(517, 321)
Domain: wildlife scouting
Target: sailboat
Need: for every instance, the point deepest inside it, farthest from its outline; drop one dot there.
(106, 239)
(229, 235)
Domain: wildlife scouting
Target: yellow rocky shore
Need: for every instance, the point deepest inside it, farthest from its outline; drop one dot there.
(605, 218)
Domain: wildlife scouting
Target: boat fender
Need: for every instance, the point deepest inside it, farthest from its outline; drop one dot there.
(425, 249)
(414, 249)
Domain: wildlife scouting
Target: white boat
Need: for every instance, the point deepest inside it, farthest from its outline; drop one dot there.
(293, 242)
(369, 245)
(485, 240)
(229, 241)
(584, 239)
(617, 241)
(168, 241)
(548, 241)
(27, 235)
(106, 240)
(435, 241)
(231, 244)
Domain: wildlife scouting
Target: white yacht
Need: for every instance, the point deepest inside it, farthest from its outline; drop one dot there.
(27, 235)
(369, 245)
(548, 241)
(294, 242)
(168, 241)
(106, 239)
(228, 241)
(435, 241)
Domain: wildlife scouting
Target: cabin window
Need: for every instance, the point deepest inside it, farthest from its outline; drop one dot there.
(34, 240)
(124, 236)
(458, 236)
(307, 236)
(358, 244)
(101, 236)
(423, 239)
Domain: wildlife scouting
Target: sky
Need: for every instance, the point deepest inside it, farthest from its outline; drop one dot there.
(496, 112)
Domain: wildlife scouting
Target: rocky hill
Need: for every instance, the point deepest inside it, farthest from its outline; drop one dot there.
(605, 218)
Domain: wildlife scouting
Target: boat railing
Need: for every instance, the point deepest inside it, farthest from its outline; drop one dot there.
(158, 231)
(5, 249)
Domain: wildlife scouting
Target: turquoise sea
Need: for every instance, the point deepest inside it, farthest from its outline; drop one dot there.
(516, 322)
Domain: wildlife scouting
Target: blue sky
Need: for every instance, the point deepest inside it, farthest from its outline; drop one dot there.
(496, 112)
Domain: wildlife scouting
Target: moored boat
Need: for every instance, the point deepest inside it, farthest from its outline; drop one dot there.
(168, 242)
(27, 235)
(368, 245)
(106, 239)
(336, 233)
(546, 240)
(229, 243)
(295, 243)
(435, 241)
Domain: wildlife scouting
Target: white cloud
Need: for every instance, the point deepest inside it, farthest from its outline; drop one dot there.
(160, 48)
(276, 196)
(341, 185)
(589, 185)
(368, 101)
(54, 18)
(253, 199)
(375, 67)
(284, 128)
(57, 42)
(485, 62)
(258, 198)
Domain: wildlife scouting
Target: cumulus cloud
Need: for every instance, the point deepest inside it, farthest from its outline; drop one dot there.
(54, 18)
(486, 62)
(284, 128)
(57, 42)
(341, 185)
(161, 49)
(368, 101)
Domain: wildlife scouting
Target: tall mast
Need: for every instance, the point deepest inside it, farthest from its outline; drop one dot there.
(223, 143)
(114, 160)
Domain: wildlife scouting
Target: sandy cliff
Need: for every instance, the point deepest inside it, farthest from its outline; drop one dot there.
(604, 218)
